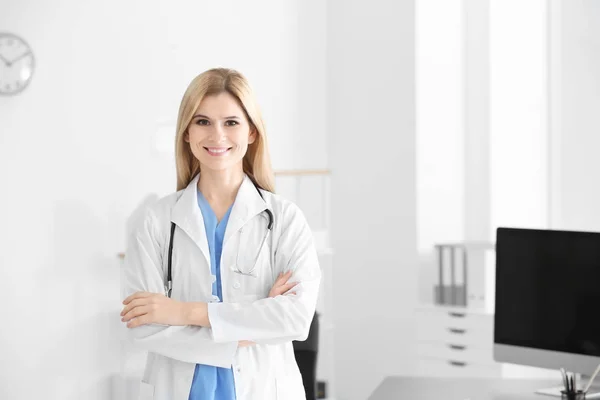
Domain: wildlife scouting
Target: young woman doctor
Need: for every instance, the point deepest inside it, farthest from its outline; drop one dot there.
(245, 273)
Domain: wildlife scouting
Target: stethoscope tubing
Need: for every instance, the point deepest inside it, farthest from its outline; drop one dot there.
(169, 285)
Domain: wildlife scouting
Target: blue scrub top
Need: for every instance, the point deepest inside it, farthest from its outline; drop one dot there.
(210, 382)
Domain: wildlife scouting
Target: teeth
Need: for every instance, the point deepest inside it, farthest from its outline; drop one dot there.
(218, 150)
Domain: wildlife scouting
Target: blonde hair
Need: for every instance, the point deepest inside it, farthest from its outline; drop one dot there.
(257, 161)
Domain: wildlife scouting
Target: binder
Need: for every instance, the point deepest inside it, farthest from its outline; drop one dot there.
(464, 274)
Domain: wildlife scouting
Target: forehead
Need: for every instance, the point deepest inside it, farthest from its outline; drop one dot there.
(220, 105)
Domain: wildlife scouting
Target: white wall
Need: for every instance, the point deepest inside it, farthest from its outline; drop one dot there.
(518, 114)
(78, 153)
(371, 82)
(481, 118)
(440, 120)
(575, 120)
(453, 125)
(501, 178)
(477, 202)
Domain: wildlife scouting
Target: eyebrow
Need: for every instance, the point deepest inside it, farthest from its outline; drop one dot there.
(204, 116)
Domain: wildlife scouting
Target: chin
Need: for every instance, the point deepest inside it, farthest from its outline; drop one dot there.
(216, 166)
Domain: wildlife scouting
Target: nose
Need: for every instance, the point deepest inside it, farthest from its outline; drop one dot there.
(217, 134)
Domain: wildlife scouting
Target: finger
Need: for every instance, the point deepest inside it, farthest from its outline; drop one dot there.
(288, 286)
(139, 321)
(136, 312)
(133, 304)
(284, 276)
(150, 298)
(281, 279)
(284, 288)
(131, 297)
(137, 295)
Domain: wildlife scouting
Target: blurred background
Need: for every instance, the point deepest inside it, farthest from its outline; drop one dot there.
(396, 125)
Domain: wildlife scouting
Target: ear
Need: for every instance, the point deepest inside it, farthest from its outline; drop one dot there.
(186, 136)
(252, 136)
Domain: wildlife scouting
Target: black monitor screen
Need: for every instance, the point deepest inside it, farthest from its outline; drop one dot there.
(548, 290)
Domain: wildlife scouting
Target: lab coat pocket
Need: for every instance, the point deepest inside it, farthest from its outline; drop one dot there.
(146, 391)
(254, 272)
(254, 250)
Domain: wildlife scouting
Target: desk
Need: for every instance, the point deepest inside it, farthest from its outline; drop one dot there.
(424, 388)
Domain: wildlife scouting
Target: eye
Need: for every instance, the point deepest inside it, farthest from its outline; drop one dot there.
(202, 122)
(233, 123)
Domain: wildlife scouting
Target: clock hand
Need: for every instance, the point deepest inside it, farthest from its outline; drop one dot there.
(5, 61)
(18, 58)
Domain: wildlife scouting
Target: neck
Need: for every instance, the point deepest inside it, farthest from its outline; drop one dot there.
(220, 186)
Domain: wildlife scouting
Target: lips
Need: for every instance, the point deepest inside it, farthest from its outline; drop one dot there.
(217, 151)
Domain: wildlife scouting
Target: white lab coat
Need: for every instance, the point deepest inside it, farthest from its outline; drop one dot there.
(265, 371)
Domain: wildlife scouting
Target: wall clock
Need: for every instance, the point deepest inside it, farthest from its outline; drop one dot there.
(16, 64)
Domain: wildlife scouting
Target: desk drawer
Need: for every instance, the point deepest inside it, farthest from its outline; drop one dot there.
(455, 327)
(457, 352)
(456, 369)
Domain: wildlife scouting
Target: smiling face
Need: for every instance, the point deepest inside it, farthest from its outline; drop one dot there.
(219, 133)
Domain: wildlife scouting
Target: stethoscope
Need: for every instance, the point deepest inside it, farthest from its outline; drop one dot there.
(236, 269)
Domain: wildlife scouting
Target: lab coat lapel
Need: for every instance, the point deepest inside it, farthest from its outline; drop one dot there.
(248, 203)
(187, 216)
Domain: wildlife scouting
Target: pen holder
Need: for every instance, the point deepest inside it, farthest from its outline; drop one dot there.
(578, 395)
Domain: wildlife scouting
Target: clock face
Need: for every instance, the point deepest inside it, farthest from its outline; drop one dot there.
(16, 64)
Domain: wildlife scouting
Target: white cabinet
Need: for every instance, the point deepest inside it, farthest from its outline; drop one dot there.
(455, 342)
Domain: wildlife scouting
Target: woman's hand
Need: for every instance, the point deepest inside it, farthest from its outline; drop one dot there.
(281, 286)
(153, 308)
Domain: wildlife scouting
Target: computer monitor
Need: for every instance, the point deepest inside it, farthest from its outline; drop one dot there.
(547, 311)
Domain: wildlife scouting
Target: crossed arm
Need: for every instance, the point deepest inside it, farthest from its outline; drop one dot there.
(144, 308)
(211, 333)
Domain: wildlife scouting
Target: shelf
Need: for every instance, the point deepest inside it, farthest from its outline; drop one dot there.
(435, 307)
(468, 245)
